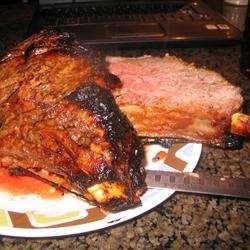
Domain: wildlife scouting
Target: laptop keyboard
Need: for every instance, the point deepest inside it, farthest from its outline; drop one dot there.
(132, 12)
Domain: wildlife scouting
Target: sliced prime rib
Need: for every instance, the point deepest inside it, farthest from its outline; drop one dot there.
(59, 122)
(167, 97)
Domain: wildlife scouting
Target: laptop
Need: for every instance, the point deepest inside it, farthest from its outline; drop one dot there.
(136, 23)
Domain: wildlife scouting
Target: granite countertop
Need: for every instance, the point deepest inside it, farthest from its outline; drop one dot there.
(182, 221)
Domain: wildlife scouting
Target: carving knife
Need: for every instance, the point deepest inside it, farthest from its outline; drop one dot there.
(197, 183)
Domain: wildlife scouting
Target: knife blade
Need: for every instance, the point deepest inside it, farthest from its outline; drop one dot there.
(197, 183)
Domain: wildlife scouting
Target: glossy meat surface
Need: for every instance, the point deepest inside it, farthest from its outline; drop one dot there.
(59, 122)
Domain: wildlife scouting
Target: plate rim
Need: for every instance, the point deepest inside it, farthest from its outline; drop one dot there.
(91, 226)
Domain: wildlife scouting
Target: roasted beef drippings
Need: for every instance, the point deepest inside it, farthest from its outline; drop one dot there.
(58, 116)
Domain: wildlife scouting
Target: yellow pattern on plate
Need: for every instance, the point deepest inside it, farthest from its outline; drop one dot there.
(5, 219)
(43, 220)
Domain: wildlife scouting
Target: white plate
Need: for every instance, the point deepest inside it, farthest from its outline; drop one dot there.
(31, 216)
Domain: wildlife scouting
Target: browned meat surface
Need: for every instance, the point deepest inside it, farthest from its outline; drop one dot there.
(240, 124)
(166, 97)
(59, 121)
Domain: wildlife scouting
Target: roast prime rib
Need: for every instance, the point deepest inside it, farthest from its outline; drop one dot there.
(60, 118)
(167, 97)
(59, 122)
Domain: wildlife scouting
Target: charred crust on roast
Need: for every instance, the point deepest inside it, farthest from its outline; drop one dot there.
(57, 42)
(79, 177)
(118, 203)
(103, 105)
(117, 128)
(113, 81)
(65, 43)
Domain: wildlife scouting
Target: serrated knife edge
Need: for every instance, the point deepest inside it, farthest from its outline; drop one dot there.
(198, 183)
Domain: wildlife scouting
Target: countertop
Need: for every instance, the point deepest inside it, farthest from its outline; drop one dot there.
(182, 221)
